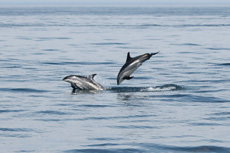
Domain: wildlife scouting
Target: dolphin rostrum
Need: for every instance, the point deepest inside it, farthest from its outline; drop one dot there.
(131, 65)
(83, 83)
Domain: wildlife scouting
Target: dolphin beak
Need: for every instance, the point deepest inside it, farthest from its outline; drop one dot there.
(119, 82)
(65, 78)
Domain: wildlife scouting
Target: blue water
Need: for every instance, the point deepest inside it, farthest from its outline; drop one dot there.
(178, 101)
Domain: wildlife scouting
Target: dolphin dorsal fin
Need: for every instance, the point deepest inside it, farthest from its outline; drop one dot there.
(91, 76)
(128, 57)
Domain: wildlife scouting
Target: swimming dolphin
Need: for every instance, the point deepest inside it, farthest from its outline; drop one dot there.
(131, 65)
(83, 83)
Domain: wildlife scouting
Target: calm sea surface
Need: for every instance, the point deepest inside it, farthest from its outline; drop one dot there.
(178, 101)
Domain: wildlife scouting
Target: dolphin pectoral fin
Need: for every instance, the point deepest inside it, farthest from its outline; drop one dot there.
(73, 85)
(128, 77)
(74, 90)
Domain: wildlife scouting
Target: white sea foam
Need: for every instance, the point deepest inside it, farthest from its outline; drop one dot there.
(152, 89)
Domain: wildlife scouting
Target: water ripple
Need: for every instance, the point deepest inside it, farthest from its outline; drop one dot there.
(146, 148)
(109, 44)
(224, 64)
(218, 48)
(49, 112)
(16, 129)
(117, 117)
(200, 149)
(126, 150)
(134, 127)
(10, 111)
(95, 106)
(166, 148)
(190, 44)
(78, 63)
(26, 90)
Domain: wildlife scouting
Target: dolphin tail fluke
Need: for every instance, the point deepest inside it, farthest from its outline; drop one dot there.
(154, 53)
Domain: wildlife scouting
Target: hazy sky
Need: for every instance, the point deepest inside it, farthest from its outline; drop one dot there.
(114, 2)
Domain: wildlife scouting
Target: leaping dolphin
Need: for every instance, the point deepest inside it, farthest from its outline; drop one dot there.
(83, 83)
(131, 65)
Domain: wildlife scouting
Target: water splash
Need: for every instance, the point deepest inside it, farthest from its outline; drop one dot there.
(166, 87)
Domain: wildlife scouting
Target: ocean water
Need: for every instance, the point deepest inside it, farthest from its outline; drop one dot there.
(178, 101)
